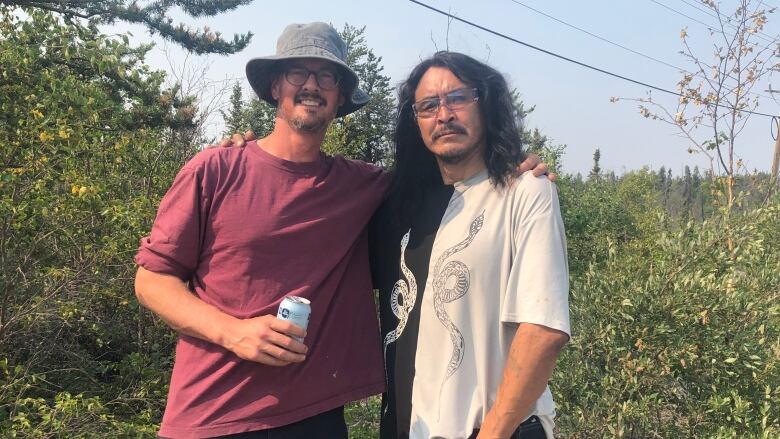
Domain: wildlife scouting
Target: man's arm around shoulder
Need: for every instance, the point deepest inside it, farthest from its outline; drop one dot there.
(263, 339)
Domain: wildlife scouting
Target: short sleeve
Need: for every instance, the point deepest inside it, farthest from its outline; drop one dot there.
(173, 246)
(538, 287)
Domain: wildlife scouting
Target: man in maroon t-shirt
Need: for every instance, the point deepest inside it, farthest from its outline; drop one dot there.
(240, 229)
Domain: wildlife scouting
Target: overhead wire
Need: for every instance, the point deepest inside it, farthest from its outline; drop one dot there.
(596, 36)
(564, 58)
(707, 25)
(761, 35)
(621, 46)
(768, 38)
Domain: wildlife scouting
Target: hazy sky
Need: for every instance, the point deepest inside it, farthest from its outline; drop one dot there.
(572, 103)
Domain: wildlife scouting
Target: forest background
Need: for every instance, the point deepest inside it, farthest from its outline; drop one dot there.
(674, 278)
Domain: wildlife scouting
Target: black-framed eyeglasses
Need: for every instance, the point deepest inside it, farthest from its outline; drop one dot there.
(454, 101)
(327, 79)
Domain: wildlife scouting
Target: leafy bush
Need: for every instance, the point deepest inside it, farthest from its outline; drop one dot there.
(676, 336)
(83, 163)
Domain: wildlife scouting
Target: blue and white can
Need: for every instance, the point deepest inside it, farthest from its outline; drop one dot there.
(297, 310)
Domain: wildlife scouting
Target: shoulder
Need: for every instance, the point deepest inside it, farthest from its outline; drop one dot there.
(533, 196)
(213, 159)
(358, 168)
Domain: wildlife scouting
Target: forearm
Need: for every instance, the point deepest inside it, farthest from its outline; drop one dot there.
(169, 298)
(528, 368)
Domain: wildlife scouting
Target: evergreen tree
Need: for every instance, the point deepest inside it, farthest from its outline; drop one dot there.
(595, 172)
(235, 121)
(153, 15)
(698, 195)
(687, 192)
(365, 134)
(258, 116)
(662, 178)
(533, 139)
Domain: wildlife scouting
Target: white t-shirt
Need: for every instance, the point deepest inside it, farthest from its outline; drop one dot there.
(496, 259)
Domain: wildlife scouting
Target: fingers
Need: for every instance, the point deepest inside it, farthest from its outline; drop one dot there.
(238, 140)
(285, 327)
(215, 145)
(523, 167)
(534, 164)
(531, 161)
(539, 170)
(282, 354)
(268, 360)
(277, 342)
(270, 354)
(267, 340)
(286, 342)
(225, 143)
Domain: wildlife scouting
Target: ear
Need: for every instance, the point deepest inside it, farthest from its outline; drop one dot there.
(342, 99)
(276, 87)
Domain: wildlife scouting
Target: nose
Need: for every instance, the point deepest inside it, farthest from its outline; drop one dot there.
(444, 114)
(311, 82)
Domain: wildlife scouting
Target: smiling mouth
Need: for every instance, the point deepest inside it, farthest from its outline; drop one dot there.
(310, 102)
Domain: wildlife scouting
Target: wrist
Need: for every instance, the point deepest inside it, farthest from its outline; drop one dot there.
(224, 333)
(501, 422)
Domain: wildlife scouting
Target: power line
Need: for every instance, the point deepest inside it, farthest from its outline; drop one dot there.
(694, 6)
(770, 5)
(707, 25)
(581, 64)
(606, 40)
(598, 36)
(769, 38)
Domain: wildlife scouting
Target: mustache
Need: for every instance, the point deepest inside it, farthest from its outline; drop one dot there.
(305, 95)
(448, 128)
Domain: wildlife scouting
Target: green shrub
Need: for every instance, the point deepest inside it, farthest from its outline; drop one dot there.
(676, 336)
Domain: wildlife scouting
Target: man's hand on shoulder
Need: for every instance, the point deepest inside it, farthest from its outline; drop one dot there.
(266, 340)
(237, 139)
(534, 164)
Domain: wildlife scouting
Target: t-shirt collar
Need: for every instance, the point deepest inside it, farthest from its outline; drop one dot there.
(287, 165)
(463, 185)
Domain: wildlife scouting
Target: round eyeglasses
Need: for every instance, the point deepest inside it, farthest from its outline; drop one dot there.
(326, 79)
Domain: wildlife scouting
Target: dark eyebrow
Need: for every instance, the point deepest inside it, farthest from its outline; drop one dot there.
(425, 98)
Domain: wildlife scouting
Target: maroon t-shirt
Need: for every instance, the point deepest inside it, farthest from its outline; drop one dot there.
(246, 229)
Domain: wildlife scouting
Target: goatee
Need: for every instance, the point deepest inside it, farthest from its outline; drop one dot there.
(453, 157)
(318, 125)
(313, 125)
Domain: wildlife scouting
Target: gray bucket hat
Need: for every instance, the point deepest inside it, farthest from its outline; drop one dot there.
(313, 40)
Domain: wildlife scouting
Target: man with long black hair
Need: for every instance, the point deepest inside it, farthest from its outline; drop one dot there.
(470, 261)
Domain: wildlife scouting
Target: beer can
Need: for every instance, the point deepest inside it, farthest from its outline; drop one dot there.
(297, 310)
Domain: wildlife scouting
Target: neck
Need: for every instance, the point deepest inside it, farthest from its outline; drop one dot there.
(292, 145)
(468, 167)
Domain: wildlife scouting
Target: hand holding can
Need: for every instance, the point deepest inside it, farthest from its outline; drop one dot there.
(296, 310)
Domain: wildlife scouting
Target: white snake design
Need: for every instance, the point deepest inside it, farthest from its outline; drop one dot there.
(407, 293)
(443, 295)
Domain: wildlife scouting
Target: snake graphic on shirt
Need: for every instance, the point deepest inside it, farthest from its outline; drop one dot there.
(442, 294)
(403, 296)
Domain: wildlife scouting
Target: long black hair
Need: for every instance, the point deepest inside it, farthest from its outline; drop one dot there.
(415, 167)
